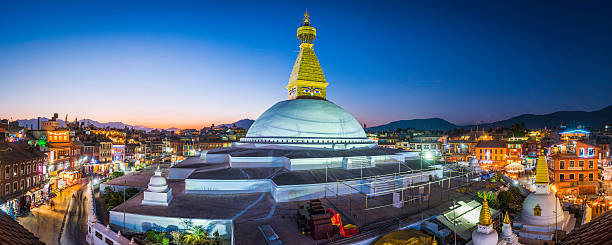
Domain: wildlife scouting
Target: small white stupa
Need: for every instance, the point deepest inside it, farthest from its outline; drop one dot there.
(474, 165)
(158, 193)
(507, 235)
(485, 234)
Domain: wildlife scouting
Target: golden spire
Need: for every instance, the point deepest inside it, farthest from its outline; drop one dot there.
(433, 240)
(485, 213)
(306, 20)
(506, 218)
(306, 80)
(541, 171)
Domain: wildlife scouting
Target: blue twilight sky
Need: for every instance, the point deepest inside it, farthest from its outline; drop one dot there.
(192, 63)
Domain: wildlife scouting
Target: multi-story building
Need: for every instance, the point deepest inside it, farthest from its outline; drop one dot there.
(426, 143)
(459, 149)
(492, 154)
(22, 176)
(106, 150)
(575, 172)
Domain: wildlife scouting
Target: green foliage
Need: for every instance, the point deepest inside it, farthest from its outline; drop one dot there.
(196, 235)
(509, 197)
(515, 190)
(112, 198)
(116, 174)
(498, 177)
(491, 199)
(165, 241)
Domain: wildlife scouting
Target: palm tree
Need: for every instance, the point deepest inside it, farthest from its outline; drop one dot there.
(196, 235)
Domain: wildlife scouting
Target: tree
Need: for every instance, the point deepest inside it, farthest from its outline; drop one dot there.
(177, 236)
(196, 235)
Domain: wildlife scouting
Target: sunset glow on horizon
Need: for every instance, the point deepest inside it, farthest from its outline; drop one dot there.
(191, 64)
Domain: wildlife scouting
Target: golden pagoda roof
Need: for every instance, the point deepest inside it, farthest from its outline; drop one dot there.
(506, 218)
(541, 171)
(306, 68)
(485, 213)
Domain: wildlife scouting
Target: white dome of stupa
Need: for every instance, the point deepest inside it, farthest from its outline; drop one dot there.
(309, 123)
(306, 118)
(547, 209)
(158, 183)
(474, 162)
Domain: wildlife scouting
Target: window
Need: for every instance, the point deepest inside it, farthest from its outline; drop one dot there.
(108, 241)
(591, 177)
(7, 172)
(21, 184)
(7, 189)
(581, 152)
(581, 177)
(98, 235)
(571, 176)
(581, 164)
(561, 177)
(14, 170)
(591, 152)
(591, 164)
(480, 151)
(15, 186)
(571, 163)
(562, 164)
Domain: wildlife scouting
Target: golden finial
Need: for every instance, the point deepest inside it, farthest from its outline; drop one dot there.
(507, 218)
(485, 213)
(306, 32)
(306, 20)
(433, 241)
(541, 171)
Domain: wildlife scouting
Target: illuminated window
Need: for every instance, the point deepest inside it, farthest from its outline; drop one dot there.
(590, 177)
(537, 211)
(590, 164)
(591, 152)
(571, 163)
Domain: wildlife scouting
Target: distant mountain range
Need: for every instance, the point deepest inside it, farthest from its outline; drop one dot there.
(244, 123)
(33, 124)
(592, 119)
(421, 124)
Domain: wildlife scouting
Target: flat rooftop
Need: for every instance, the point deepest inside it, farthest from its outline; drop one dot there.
(198, 206)
(139, 179)
(191, 162)
(282, 176)
(302, 153)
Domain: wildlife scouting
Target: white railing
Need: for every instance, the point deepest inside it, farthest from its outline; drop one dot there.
(97, 233)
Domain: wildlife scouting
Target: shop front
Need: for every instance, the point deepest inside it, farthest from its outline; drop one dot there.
(11, 207)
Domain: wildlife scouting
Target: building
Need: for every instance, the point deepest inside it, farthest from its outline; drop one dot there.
(492, 154)
(106, 150)
(22, 177)
(575, 135)
(575, 172)
(427, 143)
